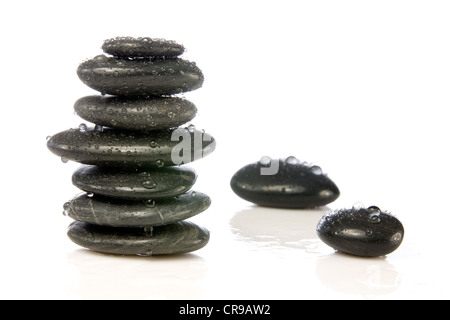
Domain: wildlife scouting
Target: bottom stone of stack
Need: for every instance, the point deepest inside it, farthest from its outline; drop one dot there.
(176, 238)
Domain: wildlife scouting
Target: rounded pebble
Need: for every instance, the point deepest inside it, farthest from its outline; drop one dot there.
(114, 212)
(366, 232)
(284, 183)
(177, 238)
(134, 184)
(150, 113)
(131, 47)
(124, 148)
(140, 77)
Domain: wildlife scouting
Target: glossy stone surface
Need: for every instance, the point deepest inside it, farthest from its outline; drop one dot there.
(113, 212)
(133, 149)
(140, 77)
(367, 232)
(284, 183)
(151, 113)
(134, 184)
(180, 237)
(142, 47)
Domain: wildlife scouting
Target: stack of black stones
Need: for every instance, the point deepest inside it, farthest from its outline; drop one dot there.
(136, 195)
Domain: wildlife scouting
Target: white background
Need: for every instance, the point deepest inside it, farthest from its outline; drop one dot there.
(360, 88)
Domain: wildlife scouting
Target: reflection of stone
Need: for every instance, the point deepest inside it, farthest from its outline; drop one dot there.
(278, 227)
(104, 276)
(365, 277)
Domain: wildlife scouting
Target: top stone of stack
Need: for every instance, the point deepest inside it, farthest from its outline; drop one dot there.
(130, 47)
(140, 67)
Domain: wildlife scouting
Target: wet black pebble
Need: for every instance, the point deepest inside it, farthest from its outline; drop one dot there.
(181, 237)
(134, 184)
(113, 212)
(122, 77)
(140, 113)
(367, 232)
(131, 149)
(284, 183)
(145, 47)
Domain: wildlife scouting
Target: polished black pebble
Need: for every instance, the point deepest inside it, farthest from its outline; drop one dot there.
(140, 77)
(180, 237)
(367, 232)
(113, 212)
(284, 183)
(132, 149)
(142, 47)
(134, 184)
(151, 113)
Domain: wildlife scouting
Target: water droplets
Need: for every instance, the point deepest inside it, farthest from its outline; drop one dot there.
(265, 161)
(149, 184)
(374, 214)
(159, 163)
(191, 128)
(64, 159)
(171, 114)
(292, 160)
(316, 170)
(150, 203)
(83, 128)
(153, 144)
(66, 209)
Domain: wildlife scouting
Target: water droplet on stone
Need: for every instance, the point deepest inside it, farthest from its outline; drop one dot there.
(148, 184)
(316, 170)
(375, 218)
(191, 128)
(48, 138)
(159, 163)
(82, 127)
(145, 254)
(265, 160)
(150, 203)
(153, 144)
(374, 209)
(64, 159)
(369, 232)
(90, 194)
(358, 205)
(292, 160)
(66, 208)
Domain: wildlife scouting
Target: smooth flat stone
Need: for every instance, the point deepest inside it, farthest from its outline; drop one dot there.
(363, 232)
(132, 149)
(142, 47)
(136, 113)
(113, 212)
(180, 237)
(140, 77)
(284, 183)
(134, 184)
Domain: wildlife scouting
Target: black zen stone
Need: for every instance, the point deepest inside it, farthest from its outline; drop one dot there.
(151, 113)
(134, 184)
(180, 237)
(140, 77)
(362, 232)
(113, 212)
(142, 47)
(284, 183)
(132, 149)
